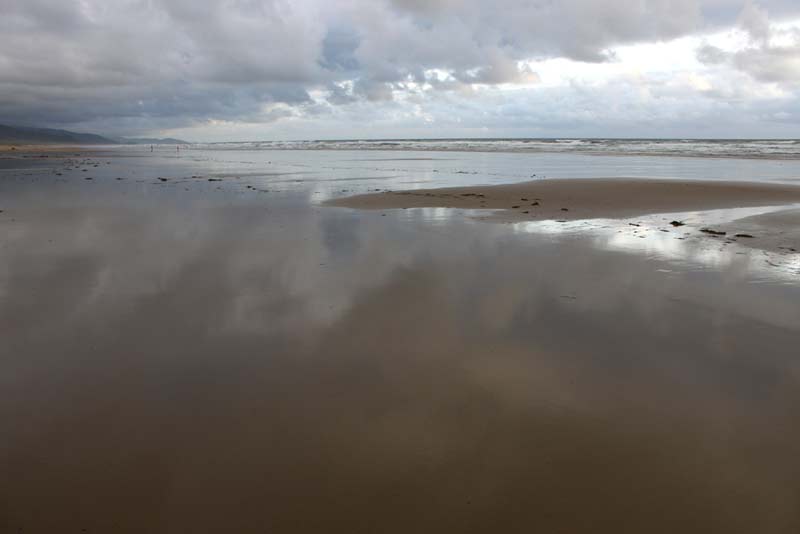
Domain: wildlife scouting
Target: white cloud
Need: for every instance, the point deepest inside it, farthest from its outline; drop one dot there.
(769, 52)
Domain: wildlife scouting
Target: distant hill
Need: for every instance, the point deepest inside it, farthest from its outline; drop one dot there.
(21, 134)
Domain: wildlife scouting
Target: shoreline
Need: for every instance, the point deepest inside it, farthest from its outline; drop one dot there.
(10, 147)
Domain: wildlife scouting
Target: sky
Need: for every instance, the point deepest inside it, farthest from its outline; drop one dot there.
(236, 70)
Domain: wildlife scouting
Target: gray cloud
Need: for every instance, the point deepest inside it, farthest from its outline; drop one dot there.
(761, 59)
(71, 62)
(712, 55)
(771, 64)
(145, 65)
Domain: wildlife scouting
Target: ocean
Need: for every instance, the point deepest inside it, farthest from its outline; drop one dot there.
(716, 148)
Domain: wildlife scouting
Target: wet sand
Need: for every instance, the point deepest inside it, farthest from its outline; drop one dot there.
(777, 231)
(206, 357)
(571, 199)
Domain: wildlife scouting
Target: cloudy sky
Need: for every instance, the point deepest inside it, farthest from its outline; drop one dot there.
(224, 70)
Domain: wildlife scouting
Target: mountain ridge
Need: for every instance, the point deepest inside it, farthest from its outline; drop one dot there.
(29, 135)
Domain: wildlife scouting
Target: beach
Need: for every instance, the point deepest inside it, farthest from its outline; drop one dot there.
(250, 340)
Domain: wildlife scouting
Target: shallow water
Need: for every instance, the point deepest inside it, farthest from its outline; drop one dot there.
(196, 356)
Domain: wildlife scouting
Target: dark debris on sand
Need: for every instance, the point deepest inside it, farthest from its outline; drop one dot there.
(712, 232)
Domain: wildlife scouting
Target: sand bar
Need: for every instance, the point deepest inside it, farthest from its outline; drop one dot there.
(777, 231)
(572, 199)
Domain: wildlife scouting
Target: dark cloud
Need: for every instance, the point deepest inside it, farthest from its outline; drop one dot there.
(173, 61)
(338, 50)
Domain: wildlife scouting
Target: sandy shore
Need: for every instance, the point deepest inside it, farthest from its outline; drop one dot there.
(583, 198)
(777, 231)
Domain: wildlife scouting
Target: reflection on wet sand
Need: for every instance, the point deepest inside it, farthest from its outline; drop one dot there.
(230, 366)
